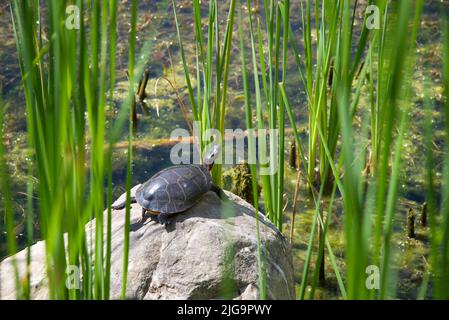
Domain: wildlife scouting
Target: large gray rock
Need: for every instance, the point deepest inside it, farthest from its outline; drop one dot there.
(186, 259)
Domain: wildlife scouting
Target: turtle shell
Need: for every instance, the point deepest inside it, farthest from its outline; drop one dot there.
(174, 189)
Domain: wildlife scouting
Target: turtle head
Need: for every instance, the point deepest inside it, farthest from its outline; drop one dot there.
(211, 155)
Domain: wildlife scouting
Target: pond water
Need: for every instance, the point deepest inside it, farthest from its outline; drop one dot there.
(151, 146)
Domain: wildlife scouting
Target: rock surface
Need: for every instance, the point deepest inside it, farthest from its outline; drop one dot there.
(186, 259)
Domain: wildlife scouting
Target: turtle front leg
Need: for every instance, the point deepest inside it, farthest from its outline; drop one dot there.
(162, 218)
(144, 216)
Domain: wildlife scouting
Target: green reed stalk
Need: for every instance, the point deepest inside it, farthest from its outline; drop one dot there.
(112, 42)
(355, 248)
(442, 290)
(252, 155)
(404, 99)
(193, 103)
(431, 196)
(7, 201)
(132, 43)
(377, 139)
(97, 157)
(285, 10)
(266, 187)
(438, 221)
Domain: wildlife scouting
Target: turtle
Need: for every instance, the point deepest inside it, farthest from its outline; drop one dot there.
(175, 189)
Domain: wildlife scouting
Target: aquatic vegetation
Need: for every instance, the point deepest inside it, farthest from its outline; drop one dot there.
(240, 182)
